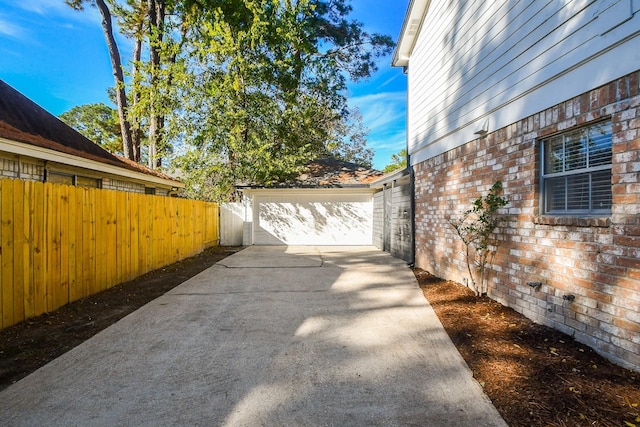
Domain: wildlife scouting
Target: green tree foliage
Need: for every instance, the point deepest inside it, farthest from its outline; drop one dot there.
(398, 161)
(248, 91)
(98, 122)
(476, 229)
(265, 89)
(349, 140)
(142, 101)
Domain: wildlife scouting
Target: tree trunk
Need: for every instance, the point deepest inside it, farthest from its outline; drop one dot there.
(156, 13)
(116, 65)
(136, 132)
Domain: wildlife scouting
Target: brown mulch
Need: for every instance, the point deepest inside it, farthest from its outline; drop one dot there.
(534, 375)
(30, 344)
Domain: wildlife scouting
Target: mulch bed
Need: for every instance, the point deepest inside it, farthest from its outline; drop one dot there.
(534, 375)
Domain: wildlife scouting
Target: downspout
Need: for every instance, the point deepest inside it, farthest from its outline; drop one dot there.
(412, 261)
(385, 226)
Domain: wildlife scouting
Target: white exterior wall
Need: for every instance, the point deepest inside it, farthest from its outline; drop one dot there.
(310, 217)
(378, 220)
(503, 60)
(231, 223)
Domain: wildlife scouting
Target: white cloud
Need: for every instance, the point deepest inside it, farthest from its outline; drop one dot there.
(384, 114)
(381, 111)
(11, 29)
(45, 7)
(58, 8)
(389, 80)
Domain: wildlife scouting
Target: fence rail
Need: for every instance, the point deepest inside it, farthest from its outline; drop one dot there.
(60, 243)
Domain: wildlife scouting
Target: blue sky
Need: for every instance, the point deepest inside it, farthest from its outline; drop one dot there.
(58, 58)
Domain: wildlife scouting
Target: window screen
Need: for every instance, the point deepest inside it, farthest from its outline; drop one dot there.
(576, 171)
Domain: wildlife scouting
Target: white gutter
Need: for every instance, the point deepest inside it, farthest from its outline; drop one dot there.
(37, 152)
(390, 177)
(341, 190)
(410, 29)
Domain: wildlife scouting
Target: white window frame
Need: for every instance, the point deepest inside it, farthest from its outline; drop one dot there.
(587, 171)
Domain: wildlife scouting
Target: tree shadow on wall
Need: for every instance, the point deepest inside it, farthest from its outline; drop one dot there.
(303, 222)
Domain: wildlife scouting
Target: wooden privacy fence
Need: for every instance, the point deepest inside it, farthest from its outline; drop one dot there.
(60, 243)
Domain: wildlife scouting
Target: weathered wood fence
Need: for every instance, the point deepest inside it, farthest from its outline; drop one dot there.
(60, 243)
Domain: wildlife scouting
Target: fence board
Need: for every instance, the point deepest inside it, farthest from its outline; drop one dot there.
(27, 254)
(73, 217)
(7, 253)
(63, 289)
(126, 239)
(58, 296)
(91, 250)
(134, 208)
(169, 230)
(120, 230)
(48, 246)
(1, 260)
(38, 250)
(110, 233)
(146, 218)
(101, 243)
(77, 221)
(18, 252)
(61, 243)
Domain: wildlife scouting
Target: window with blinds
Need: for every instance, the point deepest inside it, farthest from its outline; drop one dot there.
(576, 171)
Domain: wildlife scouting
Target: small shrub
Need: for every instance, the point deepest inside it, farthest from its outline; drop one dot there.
(476, 230)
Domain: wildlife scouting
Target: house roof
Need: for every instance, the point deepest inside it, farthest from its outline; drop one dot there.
(24, 121)
(397, 176)
(328, 172)
(416, 12)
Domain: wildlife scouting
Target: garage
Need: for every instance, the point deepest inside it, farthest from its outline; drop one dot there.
(330, 204)
(312, 217)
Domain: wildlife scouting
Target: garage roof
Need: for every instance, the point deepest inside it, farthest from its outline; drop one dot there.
(328, 172)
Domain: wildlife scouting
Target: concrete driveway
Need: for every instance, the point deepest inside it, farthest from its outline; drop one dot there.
(270, 336)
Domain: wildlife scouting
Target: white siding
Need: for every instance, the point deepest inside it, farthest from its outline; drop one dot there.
(378, 220)
(500, 61)
(231, 223)
(401, 230)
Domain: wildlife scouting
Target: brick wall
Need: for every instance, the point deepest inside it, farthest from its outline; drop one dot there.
(34, 171)
(12, 168)
(595, 259)
(117, 184)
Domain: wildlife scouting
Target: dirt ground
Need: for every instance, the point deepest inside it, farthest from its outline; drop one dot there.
(28, 345)
(535, 376)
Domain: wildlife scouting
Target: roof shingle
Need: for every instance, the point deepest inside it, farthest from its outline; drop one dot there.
(23, 120)
(329, 172)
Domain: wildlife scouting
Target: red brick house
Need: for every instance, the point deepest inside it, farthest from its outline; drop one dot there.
(545, 97)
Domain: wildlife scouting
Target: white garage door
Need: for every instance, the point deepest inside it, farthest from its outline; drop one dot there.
(312, 218)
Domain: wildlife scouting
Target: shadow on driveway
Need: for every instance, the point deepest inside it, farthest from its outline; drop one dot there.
(304, 336)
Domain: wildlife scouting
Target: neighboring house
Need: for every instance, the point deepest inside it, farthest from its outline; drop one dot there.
(544, 96)
(330, 204)
(35, 145)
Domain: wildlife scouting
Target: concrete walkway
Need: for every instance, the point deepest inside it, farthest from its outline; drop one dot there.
(270, 336)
